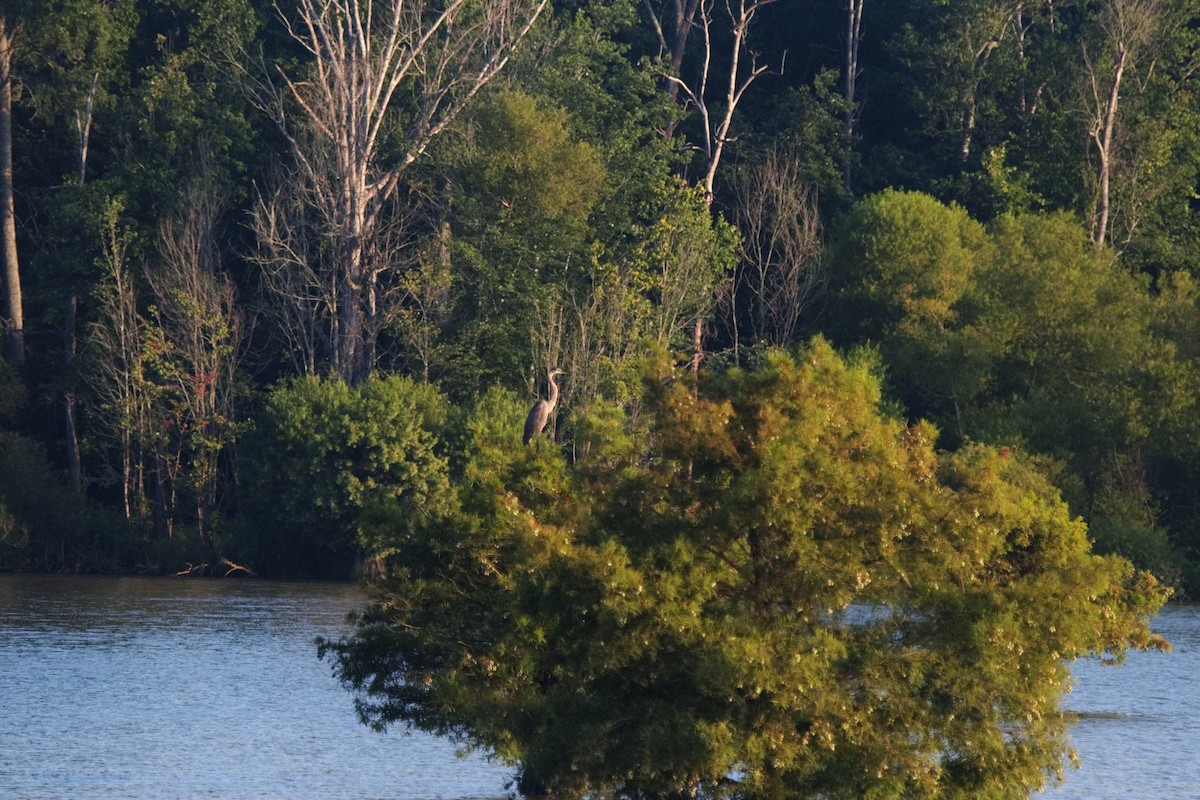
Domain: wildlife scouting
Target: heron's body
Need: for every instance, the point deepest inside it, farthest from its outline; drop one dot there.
(539, 415)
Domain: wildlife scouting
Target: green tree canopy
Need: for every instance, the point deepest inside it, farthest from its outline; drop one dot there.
(903, 273)
(990, 329)
(322, 453)
(1024, 333)
(781, 592)
(525, 188)
(1059, 318)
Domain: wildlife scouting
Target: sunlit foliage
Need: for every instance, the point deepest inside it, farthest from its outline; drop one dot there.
(779, 591)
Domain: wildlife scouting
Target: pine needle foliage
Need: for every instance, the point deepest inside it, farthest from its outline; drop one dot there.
(781, 592)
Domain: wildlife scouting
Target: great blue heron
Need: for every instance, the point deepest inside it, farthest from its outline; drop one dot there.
(539, 415)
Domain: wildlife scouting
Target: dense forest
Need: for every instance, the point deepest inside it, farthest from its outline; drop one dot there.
(272, 267)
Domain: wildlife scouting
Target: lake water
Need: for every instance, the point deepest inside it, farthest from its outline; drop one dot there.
(1138, 733)
(172, 688)
(179, 688)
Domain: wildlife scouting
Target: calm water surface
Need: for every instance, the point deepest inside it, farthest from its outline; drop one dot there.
(1138, 734)
(171, 688)
(174, 688)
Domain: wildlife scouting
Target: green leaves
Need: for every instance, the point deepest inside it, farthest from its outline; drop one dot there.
(529, 164)
(338, 473)
(1020, 333)
(781, 592)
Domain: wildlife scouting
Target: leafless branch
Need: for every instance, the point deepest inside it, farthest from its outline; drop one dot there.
(717, 124)
(781, 272)
(342, 123)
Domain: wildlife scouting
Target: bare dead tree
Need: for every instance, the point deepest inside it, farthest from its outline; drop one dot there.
(303, 299)
(854, 17)
(781, 269)
(717, 113)
(117, 365)
(202, 328)
(352, 142)
(305, 293)
(1128, 26)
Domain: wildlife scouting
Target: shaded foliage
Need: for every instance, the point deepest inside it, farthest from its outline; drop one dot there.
(321, 453)
(1023, 334)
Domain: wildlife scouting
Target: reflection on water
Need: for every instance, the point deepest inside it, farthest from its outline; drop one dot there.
(171, 688)
(1137, 726)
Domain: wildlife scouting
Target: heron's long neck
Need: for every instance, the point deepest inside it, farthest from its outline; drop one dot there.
(553, 391)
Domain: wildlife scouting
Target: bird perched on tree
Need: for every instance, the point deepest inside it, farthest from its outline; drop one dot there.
(539, 415)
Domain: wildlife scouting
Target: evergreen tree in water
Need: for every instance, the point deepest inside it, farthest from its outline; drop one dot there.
(772, 589)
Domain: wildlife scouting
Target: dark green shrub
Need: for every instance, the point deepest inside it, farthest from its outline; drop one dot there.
(45, 526)
(1148, 547)
(320, 453)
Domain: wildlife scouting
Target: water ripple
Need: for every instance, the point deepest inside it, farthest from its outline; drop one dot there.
(151, 688)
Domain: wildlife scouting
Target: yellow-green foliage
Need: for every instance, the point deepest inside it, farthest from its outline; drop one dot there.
(908, 254)
(781, 593)
(529, 162)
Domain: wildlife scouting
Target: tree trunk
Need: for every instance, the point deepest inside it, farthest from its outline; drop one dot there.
(70, 428)
(1104, 145)
(83, 129)
(964, 154)
(128, 474)
(685, 17)
(14, 313)
(854, 13)
(674, 43)
(351, 354)
(697, 357)
(162, 516)
(1132, 25)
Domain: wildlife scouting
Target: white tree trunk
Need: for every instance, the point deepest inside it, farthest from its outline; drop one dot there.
(1104, 144)
(14, 311)
(854, 15)
(343, 126)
